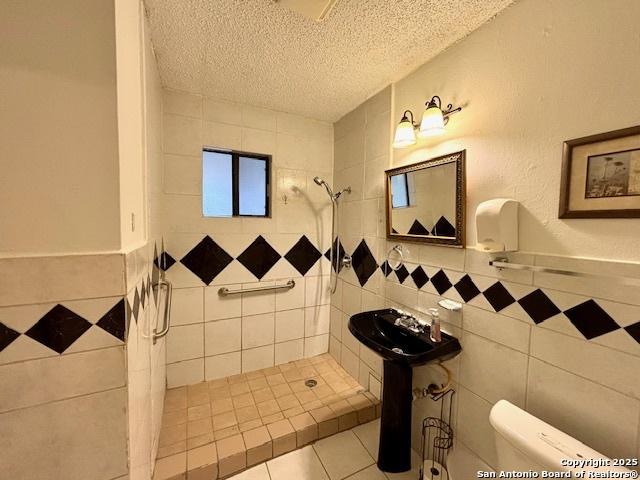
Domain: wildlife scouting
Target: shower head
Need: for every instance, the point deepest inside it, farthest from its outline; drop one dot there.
(332, 196)
(320, 181)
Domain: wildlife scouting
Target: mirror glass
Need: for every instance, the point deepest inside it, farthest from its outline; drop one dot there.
(425, 201)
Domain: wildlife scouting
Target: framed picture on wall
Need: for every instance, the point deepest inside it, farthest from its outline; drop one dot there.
(601, 176)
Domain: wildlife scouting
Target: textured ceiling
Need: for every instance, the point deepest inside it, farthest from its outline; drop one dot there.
(259, 53)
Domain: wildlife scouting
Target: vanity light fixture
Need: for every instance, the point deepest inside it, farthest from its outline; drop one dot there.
(405, 131)
(433, 121)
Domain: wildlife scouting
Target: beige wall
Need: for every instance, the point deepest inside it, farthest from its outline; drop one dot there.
(538, 74)
(58, 134)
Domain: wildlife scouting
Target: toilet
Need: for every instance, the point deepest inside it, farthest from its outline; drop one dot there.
(523, 443)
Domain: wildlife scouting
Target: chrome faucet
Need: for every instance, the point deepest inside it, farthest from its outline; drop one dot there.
(409, 322)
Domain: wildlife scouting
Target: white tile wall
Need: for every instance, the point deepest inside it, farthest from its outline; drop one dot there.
(220, 366)
(61, 414)
(289, 325)
(258, 330)
(67, 439)
(213, 336)
(227, 325)
(222, 336)
(289, 351)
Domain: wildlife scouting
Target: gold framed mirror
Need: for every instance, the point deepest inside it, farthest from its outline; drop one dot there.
(426, 201)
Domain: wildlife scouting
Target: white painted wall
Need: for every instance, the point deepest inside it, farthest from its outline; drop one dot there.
(540, 73)
(146, 359)
(58, 128)
(128, 27)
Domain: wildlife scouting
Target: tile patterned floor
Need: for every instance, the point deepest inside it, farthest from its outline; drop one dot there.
(349, 455)
(215, 429)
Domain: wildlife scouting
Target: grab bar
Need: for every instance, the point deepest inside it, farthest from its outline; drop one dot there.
(167, 311)
(503, 263)
(224, 291)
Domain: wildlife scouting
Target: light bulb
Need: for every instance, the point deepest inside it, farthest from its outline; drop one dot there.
(432, 121)
(405, 134)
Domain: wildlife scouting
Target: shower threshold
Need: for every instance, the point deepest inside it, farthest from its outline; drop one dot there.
(218, 428)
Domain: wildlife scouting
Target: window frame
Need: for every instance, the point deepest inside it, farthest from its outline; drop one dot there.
(235, 179)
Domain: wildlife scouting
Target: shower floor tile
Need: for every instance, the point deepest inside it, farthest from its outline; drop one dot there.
(258, 415)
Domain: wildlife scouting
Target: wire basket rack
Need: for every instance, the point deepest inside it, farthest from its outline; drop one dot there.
(437, 439)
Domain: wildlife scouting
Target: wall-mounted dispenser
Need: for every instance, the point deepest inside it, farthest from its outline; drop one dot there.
(497, 225)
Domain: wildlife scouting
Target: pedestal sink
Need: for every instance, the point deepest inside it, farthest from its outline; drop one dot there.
(402, 349)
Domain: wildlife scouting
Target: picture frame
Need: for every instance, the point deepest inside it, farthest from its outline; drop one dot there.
(601, 175)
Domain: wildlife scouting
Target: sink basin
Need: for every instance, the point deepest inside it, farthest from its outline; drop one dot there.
(401, 349)
(377, 331)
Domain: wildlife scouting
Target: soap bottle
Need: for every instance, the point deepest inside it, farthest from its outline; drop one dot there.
(435, 334)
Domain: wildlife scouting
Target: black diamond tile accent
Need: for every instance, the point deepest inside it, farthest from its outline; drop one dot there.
(633, 330)
(386, 269)
(591, 320)
(467, 289)
(418, 229)
(58, 328)
(259, 257)
(364, 263)
(443, 228)
(136, 305)
(498, 296)
(420, 277)
(155, 273)
(401, 273)
(207, 259)
(143, 293)
(164, 261)
(129, 312)
(337, 246)
(7, 336)
(538, 306)
(441, 282)
(393, 230)
(114, 320)
(303, 255)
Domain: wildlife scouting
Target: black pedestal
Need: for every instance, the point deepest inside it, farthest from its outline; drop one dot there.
(394, 454)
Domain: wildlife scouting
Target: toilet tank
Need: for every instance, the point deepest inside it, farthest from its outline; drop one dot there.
(524, 442)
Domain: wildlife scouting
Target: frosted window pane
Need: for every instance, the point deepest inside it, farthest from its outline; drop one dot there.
(252, 184)
(217, 184)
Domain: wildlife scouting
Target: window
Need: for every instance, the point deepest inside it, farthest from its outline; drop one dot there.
(235, 184)
(400, 191)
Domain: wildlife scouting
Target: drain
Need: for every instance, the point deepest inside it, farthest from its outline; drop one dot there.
(397, 350)
(310, 383)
